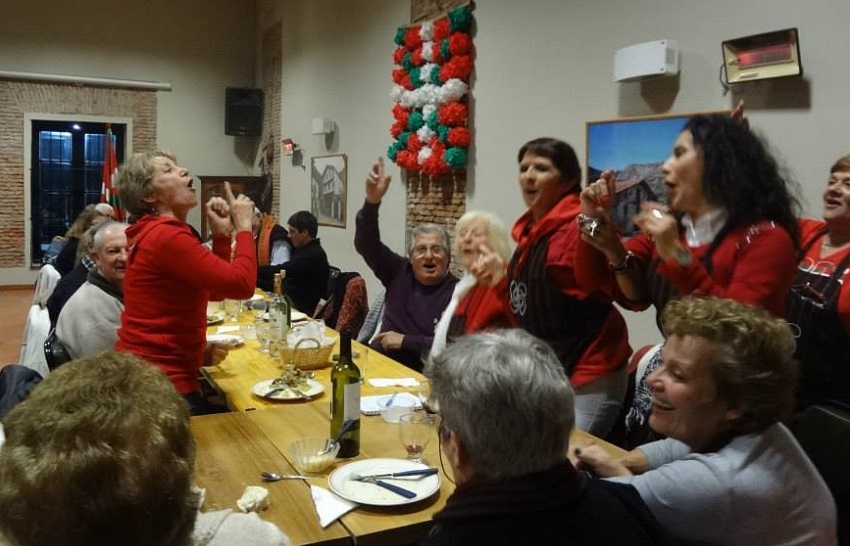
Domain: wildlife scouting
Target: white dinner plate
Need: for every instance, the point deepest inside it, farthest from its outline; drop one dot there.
(215, 318)
(375, 495)
(227, 339)
(262, 389)
(296, 316)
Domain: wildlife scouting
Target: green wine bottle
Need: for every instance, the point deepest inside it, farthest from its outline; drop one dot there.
(345, 399)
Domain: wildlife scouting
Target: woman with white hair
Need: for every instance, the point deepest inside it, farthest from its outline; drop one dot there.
(475, 305)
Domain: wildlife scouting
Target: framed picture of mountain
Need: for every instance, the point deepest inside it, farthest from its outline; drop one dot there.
(635, 148)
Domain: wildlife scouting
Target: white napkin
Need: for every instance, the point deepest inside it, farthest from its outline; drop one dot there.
(227, 329)
(329, 507)
(393, 382)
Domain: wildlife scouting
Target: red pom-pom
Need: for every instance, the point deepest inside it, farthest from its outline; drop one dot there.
(412, 39)
(401, 113)
(436, 53)
(397, 128)
(414, 144)
(452, 114)
(435, 165)
(460, 43)
(399, 74)
(407, 160)
(442, 29)
(398, 55)
(416, 58)
(459, 136)
(459, 67)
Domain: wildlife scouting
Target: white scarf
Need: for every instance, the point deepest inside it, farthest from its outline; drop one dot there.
(441, 331)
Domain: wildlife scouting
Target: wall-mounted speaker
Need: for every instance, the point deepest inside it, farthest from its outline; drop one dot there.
(645, 61)
(243, 111)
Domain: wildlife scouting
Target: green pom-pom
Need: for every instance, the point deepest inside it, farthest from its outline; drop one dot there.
(402, 139)
(392, 151)
(445, 52)
(443, 133)
(432, 122)
(455, 157)
(460, 18)
(415, 121)
(407, 63)
(399, 35)
(415, 76)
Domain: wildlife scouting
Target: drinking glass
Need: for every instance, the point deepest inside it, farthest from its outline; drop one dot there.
(259, 307)
(232, 308)
(263, 329)
(274, 341)
(414, 431)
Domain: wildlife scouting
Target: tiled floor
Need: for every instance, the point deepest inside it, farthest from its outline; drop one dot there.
(14, 306)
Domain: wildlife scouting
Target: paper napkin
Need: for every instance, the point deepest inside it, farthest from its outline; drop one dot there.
(393, 382)
(228, 329)
(329, 507)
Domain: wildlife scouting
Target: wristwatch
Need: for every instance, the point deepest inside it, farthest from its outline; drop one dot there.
(627, 263)
(683, 257)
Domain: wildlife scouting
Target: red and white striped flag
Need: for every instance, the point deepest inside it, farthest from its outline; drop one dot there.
(110, 166)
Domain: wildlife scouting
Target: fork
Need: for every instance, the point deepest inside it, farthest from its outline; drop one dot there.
(406, 493)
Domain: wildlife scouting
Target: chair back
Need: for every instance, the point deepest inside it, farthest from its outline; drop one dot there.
(823, 431)
(36, 329)
(55, 352)
(45, 282)
(347, 306)
(16, 383)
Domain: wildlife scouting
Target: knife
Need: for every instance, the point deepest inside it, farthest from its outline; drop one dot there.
(420, 472)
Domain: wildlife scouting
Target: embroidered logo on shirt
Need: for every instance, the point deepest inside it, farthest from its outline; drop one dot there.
(519, 300)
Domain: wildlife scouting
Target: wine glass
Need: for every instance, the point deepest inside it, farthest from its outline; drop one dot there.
(414, 431)
(232, 308)
(263, 329)
(258, 306)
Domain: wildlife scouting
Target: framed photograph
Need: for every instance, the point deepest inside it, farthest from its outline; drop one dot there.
(635, 148)
(328, 189)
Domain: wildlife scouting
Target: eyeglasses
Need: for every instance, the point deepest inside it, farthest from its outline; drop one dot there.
(442, 432)
(422, 250)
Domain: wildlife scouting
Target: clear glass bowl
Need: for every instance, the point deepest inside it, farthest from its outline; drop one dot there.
(311, 456)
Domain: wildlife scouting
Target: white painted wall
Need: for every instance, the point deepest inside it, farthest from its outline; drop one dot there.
(199, 46)
(543, 68)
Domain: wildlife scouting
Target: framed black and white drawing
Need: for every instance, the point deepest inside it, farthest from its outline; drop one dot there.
(328, 189)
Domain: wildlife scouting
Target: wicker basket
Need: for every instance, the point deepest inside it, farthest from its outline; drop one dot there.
(308, 354)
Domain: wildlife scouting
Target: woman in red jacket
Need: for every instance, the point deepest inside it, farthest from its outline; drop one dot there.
(730, 231)
(171, 275)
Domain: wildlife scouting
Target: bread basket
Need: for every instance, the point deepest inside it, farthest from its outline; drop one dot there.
(308, 353)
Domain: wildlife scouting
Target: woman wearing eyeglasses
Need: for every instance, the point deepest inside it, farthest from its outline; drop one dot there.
(587, 333)
(819, 301)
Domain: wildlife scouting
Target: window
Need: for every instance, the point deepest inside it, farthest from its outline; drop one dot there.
(66, 175)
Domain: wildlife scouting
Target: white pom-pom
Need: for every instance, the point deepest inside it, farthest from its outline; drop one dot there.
(425, 134)
(424, 153)
(426, 31)
(428, 51)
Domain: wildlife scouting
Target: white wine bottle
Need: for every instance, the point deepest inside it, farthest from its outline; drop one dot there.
(278, 309)
(287, 312)
(345, 399)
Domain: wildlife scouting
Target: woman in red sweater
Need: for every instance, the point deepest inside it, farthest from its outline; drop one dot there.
(475, 305)
(730, 231)
(171, 276)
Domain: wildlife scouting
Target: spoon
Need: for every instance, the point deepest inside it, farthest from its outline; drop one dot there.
(274, 477)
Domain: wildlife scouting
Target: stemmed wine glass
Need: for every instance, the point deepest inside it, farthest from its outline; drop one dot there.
(258, 306)
(414, 431)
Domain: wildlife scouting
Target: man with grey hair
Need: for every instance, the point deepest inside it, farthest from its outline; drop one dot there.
(507, 411)
(90, 319)
(418, 287)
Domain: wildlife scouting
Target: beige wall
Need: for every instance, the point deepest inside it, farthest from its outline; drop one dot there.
(544, 67)
(199, 46)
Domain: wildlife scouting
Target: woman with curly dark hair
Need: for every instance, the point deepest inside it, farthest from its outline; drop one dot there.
(729, 231)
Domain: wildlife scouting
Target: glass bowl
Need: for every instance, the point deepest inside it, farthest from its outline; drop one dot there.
(312, 454)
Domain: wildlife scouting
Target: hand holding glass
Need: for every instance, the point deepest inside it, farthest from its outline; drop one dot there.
(414, 431)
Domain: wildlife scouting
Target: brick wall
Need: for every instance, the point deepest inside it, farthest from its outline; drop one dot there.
(20, 97)
(272, 46)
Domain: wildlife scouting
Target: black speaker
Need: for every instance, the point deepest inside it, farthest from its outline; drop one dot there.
(243, 111)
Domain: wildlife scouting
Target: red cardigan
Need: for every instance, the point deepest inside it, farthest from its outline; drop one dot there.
(169, 279)
(758, 272)
(483, 309)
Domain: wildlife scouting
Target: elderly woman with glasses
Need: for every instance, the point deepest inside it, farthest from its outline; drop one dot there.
(729, 472)
(507, 412)
(578, 320)
(475, 305)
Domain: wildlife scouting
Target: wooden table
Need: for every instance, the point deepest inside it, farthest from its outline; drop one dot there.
(234, 448)
(231, 452)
